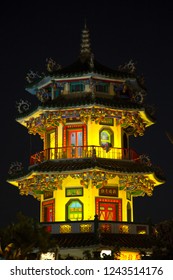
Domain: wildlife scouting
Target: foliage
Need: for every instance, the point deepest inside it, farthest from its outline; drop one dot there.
(164, 237)
(25, 239)
(163, 241)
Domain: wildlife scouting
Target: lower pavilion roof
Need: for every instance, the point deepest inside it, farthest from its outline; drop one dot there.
(139, 241)
(135, 177)
(126, 166)
(84, 164)
(85, 100)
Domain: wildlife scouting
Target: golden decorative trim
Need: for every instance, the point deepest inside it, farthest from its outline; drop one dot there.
(51, 119)
(38, 184)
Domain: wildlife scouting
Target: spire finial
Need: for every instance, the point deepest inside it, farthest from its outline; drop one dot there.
(85, 50)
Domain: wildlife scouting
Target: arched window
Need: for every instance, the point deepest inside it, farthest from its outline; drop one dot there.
(106, 137)
(129, 212)
(74, 210)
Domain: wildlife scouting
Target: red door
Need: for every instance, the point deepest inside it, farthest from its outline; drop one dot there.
(48, 213)
(107, 211)
(75, 143)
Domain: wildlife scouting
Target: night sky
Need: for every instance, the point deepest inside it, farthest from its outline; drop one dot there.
(119, 31)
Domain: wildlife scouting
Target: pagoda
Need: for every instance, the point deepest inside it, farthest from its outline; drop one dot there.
(87, 175)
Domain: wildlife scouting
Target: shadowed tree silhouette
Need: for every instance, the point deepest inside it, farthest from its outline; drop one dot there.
(162, 242)
(25, 239)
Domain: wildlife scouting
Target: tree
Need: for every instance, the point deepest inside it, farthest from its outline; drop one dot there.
(162, 242)
(164, 237)
(25, 239)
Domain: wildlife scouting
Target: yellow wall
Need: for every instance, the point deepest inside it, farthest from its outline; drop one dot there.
(93, 130)
(88, 199)
(90, 193)
(60, 135)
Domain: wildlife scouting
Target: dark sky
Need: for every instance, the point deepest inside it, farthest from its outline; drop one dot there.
(120, 31)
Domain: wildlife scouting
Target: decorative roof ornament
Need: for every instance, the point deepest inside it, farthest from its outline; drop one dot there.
(23, 106)
(99, 179)
(145, 160)
(136, 184)
(128, 67)
(43, 95)
(135, 92)
(52, 65)
(15, 168)
(31, 76)
(138, 97)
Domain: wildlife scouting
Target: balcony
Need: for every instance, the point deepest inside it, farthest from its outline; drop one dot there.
(83, 152)
(93, 227)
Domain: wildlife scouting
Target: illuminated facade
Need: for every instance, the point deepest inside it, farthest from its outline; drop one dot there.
(85, 116)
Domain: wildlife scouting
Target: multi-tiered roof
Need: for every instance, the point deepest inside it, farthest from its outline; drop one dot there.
(58, 106)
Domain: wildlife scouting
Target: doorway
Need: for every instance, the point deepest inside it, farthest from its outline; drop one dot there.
(75, 142)
(109, 209)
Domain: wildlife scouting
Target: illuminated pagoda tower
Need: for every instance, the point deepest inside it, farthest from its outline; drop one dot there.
(86, 176)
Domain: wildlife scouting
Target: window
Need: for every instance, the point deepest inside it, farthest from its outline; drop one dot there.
(106, 137)
(102, 87)
(58, 91)
(74, 210)
(76, 87)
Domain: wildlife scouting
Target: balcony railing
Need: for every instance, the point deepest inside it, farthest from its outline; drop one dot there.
(83, 152)
(91, 226)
